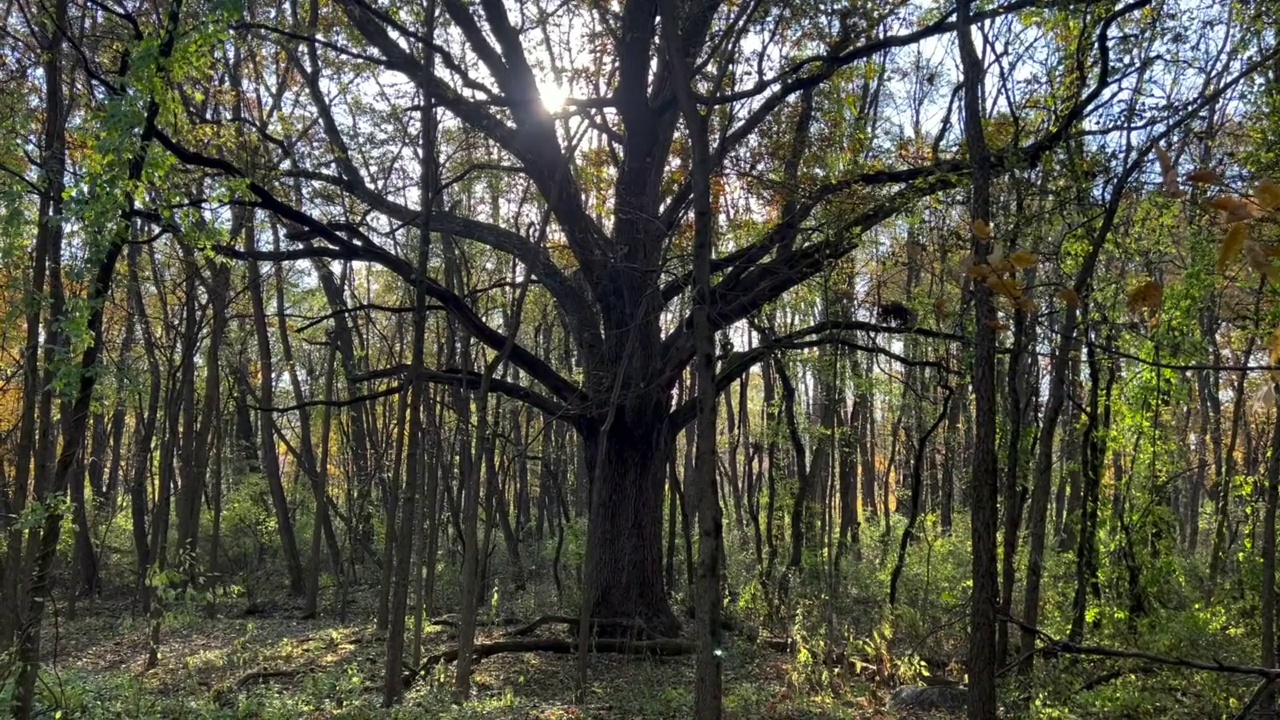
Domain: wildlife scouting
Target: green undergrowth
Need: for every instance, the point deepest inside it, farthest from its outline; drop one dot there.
(278, 666)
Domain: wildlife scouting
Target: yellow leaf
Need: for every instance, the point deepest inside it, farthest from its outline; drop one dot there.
(1204, 176)
(1022, 259)
(1069, 296)
(1002, 266)
(978, 272)
(1268, 194)
(1267, 398)
(1005, 287)
(1258, 260)
(1148, 295)
(981, 228)
(1275, 354)
(1232, 244)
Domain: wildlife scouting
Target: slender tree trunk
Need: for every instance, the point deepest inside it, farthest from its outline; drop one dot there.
(951, 461)
(803, 481)
(36, 596)
(471, 578)
(708, 690)
(1098, 423)
(266, 398)
(405, 534)
(771, 467)
(144, 433)
(1268, 656)
(1201, 475)
(982, 631)
(192, 491)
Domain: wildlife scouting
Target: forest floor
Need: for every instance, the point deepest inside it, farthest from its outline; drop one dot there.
(277, 665)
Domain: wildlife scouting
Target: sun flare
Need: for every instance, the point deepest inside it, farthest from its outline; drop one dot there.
(553, 95)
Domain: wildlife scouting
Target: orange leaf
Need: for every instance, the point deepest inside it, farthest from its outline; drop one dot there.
(1204, 176)
(1166, 161)
(1234, 209)
(1241, 212)
(1224, 203)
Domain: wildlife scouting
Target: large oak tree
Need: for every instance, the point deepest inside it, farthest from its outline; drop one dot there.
(613, 172)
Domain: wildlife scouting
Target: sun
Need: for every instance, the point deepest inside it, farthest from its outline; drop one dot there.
(553, 95)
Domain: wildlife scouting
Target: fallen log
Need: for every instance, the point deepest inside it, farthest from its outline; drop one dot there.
(454, 621)
(263, 674)
(662, 647)
(571, 621)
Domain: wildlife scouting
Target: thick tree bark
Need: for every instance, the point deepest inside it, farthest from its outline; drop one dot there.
(850, 518)
(625, 531)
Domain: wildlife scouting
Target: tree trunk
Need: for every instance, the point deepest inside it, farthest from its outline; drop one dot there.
(1042, 482)
(1267, 705)
(267, 446)
(982, 631)
(625, 531)
(192, 491)
(1097, 425)
(951, 460)
(803, 481)
(1201, 457)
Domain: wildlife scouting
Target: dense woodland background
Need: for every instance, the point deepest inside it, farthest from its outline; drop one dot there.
(356, 354)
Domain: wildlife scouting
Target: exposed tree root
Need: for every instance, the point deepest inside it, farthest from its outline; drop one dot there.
(221, 693)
